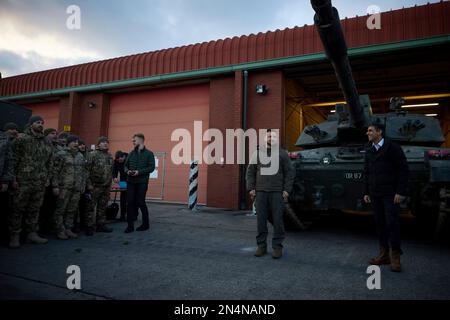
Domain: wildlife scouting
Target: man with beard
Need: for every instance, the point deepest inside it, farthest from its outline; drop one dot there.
(270, 190)
(33, 160)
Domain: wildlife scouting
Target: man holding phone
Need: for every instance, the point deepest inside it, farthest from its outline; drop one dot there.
(138, 166)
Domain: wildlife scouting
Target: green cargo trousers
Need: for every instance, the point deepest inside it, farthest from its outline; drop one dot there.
(26, 203)
(96, 212)
(66, 208)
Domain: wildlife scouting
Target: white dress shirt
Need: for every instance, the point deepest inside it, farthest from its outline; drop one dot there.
(379, 144)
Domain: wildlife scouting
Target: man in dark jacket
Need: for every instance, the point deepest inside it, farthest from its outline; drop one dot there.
(138, 166)
(119, 175)
(270, 190)
(386, 180)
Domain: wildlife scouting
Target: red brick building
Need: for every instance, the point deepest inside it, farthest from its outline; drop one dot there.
(160, 91)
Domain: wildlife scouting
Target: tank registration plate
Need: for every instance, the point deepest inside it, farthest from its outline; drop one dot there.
(353, 175)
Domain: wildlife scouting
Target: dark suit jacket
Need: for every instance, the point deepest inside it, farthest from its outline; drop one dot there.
(386, 170)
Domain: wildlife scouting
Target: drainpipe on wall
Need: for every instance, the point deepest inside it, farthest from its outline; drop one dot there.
(243, 193)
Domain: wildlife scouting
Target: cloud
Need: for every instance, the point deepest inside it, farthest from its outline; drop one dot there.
(34, 31)
(29, 43)
(12, 63)
(49, 46)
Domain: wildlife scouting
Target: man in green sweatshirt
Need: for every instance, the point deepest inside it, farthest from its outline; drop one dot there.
(138, 166)
(271, 184)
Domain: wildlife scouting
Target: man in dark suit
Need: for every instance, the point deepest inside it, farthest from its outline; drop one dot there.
(386, 180)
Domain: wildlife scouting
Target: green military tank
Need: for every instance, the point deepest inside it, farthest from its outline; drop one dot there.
(329, 170)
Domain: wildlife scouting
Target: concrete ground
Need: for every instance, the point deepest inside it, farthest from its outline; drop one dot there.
(209, 255)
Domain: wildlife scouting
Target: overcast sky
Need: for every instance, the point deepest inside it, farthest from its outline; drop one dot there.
(34, 36)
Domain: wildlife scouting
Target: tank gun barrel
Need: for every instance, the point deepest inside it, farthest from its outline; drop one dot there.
(329, 28)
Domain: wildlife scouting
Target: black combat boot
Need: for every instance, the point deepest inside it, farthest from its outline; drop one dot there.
(103, 228)
(89, 231)
(143, 228)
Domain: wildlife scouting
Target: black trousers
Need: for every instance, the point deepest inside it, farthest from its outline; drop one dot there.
(123, 204)
(136, 200)
(266, 203)
(80, 216)
(387, 220)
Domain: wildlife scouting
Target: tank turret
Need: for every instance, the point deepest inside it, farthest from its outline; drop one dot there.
(329, 171)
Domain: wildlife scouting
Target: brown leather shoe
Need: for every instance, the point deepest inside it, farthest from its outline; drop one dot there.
(395, 261)
(277, 253)
(382, 258)
(261, 251)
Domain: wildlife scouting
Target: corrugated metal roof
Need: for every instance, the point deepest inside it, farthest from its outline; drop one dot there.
(398, 25)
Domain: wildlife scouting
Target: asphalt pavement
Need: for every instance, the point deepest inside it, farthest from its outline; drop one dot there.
(209, 255)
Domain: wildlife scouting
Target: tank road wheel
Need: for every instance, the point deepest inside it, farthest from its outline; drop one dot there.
(442, 223)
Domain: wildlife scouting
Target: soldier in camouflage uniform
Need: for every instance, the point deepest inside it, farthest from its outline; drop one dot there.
(6, 162)
(6, 179)
(52, 136)
(80, 220)
(48, 206)
(12, 130)
(61, 141)
(33, 160)
(100, 164)
(68, 179)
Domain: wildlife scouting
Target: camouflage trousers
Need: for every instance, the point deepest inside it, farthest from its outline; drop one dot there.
(96, 211)
(26, 203)
(66, 209)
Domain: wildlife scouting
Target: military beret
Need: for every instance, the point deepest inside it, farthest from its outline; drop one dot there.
(10, 126)
(34, 119)
(81, 142)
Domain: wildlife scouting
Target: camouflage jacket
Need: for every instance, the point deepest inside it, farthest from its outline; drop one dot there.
(85, 172)
(99, 171)
(69, 170)
(33, 158)
(6, 159)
